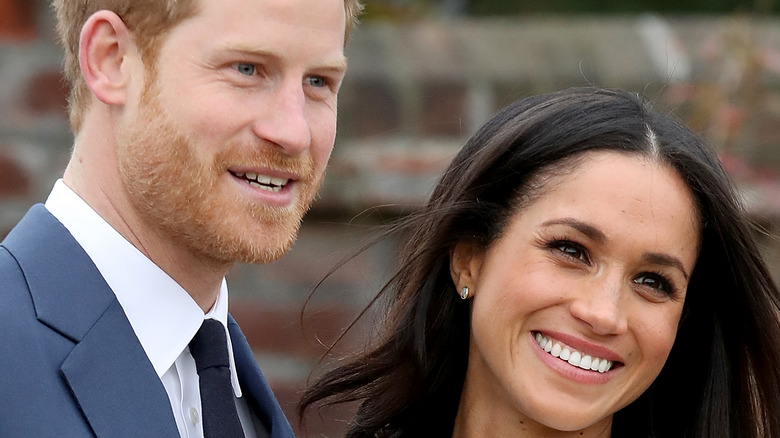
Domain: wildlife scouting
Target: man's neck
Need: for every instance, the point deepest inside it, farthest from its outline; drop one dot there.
(200, 276)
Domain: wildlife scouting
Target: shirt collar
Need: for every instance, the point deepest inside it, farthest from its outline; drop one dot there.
(163, 315)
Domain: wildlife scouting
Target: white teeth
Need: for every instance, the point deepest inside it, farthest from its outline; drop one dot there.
(272, 184)
(266, 188)
(265, 179)
(573, 357)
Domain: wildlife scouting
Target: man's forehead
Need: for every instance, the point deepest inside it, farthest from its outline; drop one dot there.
(309, 22)
(302, 10)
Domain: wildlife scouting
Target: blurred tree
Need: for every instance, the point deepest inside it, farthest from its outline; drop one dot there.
(494, 7)
(403, 10)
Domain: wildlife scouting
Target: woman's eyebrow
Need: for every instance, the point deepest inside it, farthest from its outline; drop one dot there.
(665, 260)
(591, 231)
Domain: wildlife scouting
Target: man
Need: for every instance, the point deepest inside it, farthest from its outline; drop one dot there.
(202, 130)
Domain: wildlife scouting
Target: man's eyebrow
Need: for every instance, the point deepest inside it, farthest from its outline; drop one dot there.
(583, 227)
(336, 65)
(665, 260)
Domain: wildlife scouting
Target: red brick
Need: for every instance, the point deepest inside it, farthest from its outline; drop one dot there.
(17, 19)
(47, 93)
(374, 110)
(444, 107)
(323, 422)
(280, 329)
(14, 179)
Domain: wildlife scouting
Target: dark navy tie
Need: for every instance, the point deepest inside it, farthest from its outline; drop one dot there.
(209, 349)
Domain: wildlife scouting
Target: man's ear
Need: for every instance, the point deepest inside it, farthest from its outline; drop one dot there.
(465, 265)
(103, 48)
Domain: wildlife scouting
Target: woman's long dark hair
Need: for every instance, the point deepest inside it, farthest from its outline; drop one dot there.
(722, 378)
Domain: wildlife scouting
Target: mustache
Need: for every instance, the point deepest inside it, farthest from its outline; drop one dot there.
(265, 156)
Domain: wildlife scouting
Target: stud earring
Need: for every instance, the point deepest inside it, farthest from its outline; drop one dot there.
(464, 293)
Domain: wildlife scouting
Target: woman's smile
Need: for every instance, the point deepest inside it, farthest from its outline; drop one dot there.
(573, 356)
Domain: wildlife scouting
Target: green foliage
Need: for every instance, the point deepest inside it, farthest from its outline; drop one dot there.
(498, 7)
(405, 10)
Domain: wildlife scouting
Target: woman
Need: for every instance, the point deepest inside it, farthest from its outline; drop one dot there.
(582, 268)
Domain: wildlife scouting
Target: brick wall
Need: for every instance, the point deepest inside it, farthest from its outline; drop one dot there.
(412, 96)
(17, 19)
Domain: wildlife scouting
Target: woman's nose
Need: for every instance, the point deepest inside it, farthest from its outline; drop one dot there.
(600, 307)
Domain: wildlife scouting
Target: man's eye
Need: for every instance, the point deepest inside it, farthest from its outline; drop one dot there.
(246, 68)
(316, 81)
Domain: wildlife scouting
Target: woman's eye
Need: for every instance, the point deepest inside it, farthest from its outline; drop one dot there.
(572, 250)
(245, 68)
(656, 282)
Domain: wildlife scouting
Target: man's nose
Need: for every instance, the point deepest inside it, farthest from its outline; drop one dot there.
(283, 120)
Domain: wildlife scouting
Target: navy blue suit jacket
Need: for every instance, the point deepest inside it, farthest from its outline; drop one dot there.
(70, 363)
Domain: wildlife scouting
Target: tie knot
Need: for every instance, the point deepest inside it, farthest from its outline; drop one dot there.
(209, 346)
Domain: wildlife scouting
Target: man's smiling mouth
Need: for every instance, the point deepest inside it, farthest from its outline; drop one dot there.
(264, 182)
(572, 356)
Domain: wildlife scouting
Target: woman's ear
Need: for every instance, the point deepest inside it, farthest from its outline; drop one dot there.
(465, 265)
(103, 48)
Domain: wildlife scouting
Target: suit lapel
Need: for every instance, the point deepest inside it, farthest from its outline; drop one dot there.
(261, 398)
(108, 372)
(115, 384)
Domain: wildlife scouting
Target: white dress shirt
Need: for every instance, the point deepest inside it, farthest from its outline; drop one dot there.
(163, 315)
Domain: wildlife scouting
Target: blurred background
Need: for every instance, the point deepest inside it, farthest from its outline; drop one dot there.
(423, 76)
